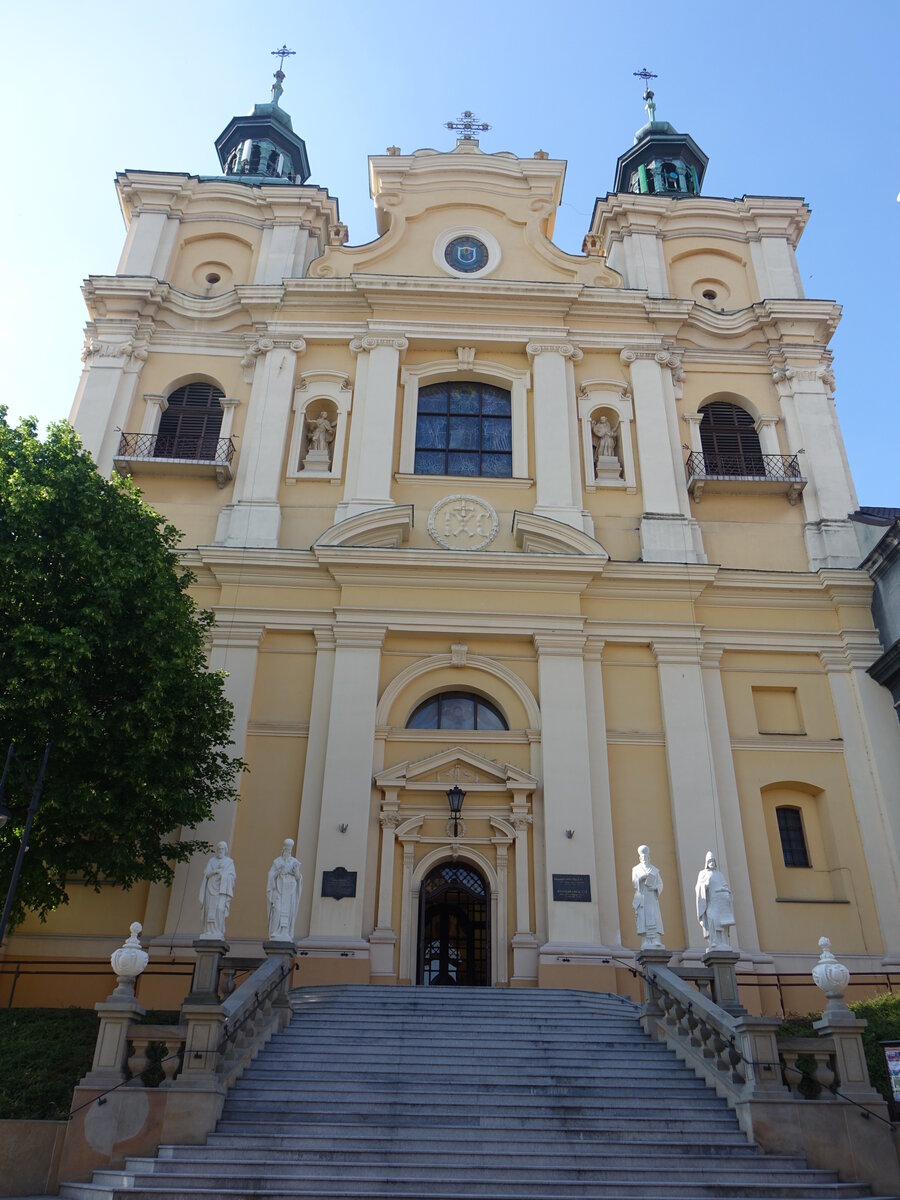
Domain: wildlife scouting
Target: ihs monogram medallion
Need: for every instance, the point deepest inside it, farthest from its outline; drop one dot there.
(463, 523)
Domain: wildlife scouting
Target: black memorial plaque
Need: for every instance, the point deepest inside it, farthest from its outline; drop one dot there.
(339, 883)
(572, 887)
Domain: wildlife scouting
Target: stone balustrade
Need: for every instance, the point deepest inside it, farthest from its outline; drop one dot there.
(820, 1079)
(140, 1039)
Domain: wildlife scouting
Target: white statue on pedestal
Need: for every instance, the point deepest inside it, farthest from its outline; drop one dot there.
(715, 905)
(216, 892)
(320, 433)
(648, 886)
(283, 888)
(604, 437)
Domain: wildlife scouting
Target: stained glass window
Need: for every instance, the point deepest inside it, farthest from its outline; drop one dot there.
(464, 429)
(457, 710)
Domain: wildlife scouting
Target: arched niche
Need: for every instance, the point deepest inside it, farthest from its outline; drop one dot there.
(612, 399)
(319, 391)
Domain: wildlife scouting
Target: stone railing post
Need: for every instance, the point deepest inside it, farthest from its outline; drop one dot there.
(204, 1017)
(838, 1023)
(652, 1010)
(285, 953)
(117, 1012)
(723, 964)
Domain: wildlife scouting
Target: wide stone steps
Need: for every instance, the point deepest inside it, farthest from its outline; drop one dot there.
(378, 1093)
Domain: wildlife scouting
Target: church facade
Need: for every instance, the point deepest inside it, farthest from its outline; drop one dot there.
(520, 559)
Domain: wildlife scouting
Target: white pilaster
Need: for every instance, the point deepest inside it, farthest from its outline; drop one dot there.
(156, 405)
(254, 519)
(775, 266)
(370, 463)
(234, 650)
(567, 786)
(868, 728)
(347, 781)
(767, 431)
(696, 819)
(277, 253)
(829, 496)
(314, 768)
(604, 848)
(668, 532)
(731, 847)
(103, 398)
(557, 470)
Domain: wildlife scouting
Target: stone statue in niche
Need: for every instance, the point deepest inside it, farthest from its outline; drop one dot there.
(319, 436)
(715, 904)
(216, 893)
(283, 888)
(648, 886)
(606, 462)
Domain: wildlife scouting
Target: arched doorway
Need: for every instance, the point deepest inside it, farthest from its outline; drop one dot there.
(454, 938)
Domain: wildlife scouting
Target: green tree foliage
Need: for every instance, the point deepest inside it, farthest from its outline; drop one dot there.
(102, 655)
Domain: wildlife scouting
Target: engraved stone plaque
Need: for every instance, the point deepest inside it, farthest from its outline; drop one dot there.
(572, 887)
(339, 883)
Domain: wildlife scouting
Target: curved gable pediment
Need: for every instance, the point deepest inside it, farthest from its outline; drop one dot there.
(380, 527)
(440, 771)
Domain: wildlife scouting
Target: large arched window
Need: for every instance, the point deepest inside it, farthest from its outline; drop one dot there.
(464, 428)
(457, 710)
(190, 426)
(730, 441)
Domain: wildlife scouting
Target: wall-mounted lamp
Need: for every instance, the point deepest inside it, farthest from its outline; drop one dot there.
(343, 827)
(455, 797)
(570, 833)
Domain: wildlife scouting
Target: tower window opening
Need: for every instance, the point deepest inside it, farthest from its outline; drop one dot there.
(730, 442)
(709, 294)
(793, 840)
(212, 278)
(670, 177)
(190, 426)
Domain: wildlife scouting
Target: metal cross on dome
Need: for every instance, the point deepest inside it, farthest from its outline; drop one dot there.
(648, 94)
(282, 54)
(467, 125)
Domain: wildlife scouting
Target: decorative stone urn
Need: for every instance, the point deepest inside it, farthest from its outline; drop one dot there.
(128, 962)
(830, 975)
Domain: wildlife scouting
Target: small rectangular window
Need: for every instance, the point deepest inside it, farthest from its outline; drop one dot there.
(793, 840)
(777, 710)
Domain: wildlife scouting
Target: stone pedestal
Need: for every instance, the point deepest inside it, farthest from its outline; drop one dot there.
(648, 957)
(723, 964)
(111, 1051)
(286, 952)
(205, 984)
(607, 469)
(317, 462)
(849, 1055)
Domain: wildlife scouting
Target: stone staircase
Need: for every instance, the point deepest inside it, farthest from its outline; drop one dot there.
(454, 1094)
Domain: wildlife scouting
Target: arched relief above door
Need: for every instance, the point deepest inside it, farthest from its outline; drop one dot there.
(476, 672)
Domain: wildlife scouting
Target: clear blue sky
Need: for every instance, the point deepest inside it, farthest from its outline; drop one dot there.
(786, 98)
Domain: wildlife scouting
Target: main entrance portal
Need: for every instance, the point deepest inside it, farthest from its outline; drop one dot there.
(453, 927)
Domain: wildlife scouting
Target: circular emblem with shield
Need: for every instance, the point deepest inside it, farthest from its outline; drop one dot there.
(466, 254)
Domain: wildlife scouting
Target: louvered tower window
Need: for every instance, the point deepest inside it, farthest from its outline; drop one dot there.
(190, 426)
(730, 443)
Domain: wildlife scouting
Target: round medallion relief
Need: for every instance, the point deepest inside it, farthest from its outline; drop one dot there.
(463, 523)
(466, 254)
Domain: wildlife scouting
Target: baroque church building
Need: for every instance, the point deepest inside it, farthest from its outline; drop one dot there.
(519, 559)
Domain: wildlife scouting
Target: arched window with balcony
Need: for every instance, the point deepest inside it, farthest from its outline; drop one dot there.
(730, 441)
(190, 426)
(457, 710)
(464, 428)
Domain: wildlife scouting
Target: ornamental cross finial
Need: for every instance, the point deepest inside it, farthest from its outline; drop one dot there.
(467, 125)
(649, 103)
(282, 54)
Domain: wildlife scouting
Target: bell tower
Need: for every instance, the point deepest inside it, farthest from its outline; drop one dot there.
(662, 160)
(262, 147)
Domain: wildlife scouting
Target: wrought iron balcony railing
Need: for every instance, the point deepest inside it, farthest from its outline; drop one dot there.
(744, 472)
(193, 449)
(156, 453)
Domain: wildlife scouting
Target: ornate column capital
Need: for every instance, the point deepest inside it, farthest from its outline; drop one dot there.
(151, 398)
(693, 418)
(370, 341)
(226, 402)
(564, 349)
(561, 645)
